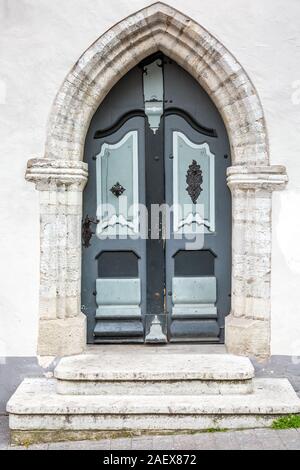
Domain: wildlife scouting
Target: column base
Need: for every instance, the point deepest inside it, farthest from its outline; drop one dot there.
(62, 337)
(247, 337)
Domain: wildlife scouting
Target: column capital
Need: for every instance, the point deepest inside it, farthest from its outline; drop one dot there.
(45, 172)
(270, 177)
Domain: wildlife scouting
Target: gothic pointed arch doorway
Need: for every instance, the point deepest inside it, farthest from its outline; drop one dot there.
(157, 140)
(61, 175)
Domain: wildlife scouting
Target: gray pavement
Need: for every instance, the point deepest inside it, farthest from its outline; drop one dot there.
(261, 439)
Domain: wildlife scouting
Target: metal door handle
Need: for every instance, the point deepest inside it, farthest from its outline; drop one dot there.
(87, 232)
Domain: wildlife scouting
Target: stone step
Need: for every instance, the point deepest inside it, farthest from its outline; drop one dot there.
(38, 413)
(154, 374)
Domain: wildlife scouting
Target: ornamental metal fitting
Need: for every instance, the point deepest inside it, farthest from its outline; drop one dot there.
(194, 180)
(87, 232)
(117, 189)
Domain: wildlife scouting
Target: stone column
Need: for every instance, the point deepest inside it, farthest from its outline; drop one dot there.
(247, 328)
(62, 326)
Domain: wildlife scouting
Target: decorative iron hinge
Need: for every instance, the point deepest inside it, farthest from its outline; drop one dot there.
(117, 189)
(194, 180)
(87, 232)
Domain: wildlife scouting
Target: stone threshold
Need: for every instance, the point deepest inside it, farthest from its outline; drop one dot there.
(128, 366)
(154, 374)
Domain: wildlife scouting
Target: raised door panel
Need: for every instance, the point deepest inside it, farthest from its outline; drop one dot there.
(114, 266)
(193, 185)
(118, 187)
(200, 232)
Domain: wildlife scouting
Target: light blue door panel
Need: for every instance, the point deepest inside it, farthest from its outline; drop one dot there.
(118, 291)
(194, 297)
(194, 290)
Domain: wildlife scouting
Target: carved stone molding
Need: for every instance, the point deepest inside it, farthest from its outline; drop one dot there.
(247, 328)
(270, 178)
(42, 171)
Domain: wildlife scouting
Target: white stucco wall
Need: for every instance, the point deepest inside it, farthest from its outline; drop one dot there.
(40, 41)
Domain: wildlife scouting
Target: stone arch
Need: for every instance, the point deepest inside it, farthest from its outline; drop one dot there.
(61, 174)
(158, 27)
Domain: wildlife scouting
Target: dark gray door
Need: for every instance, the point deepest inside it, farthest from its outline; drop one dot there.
(166, 279)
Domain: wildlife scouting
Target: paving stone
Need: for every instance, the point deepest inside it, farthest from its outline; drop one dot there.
(290, 438)
(142, 443)
(95, 445)
(227, 441)
(4, 439)
(91, 445)
(3, 421)
(38, 447)
(120, 444)
(88, 445)
(16, 448)
(280, 366)
(163, 442)
(4, 429)
(248, 441)
(62, 445)
(269, 439)
(192, 441)
(204, 441)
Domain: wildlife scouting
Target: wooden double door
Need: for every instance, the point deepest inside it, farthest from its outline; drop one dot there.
(156, 256)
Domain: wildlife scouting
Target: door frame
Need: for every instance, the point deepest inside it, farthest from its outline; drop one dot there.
(61, 175)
